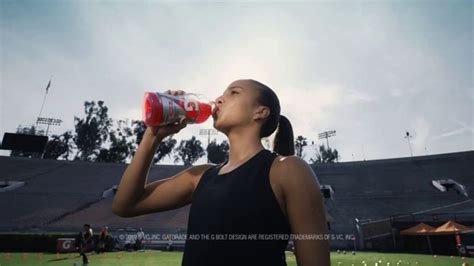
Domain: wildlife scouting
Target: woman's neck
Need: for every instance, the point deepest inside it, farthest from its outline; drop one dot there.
(243, 147)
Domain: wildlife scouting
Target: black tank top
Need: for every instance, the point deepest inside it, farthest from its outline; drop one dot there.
(235, 218)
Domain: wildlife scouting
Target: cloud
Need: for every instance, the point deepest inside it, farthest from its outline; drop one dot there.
(450, 133)
(455, 132)
(421, 131)
(361, 69)
(464, 125)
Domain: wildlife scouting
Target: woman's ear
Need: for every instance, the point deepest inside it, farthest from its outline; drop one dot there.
(261, 112)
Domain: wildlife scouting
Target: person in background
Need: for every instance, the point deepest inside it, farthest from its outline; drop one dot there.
(87, 243)
(79, 242)
(140, 239)
(103, 236)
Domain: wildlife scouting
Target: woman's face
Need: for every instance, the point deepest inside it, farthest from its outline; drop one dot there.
(237, 107)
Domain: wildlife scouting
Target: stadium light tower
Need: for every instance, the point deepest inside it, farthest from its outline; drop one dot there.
(208, 132)
(49, 122)
(408, 137)
(326, 135)
(44, 99)
(313, 149)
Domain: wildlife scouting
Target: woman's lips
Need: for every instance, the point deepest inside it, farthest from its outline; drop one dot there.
(215, 112)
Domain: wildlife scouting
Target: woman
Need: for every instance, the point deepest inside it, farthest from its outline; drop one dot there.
(256, 196)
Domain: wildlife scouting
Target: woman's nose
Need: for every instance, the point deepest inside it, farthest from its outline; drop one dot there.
(219, 100)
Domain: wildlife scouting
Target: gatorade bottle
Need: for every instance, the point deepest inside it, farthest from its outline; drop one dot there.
(161, 109)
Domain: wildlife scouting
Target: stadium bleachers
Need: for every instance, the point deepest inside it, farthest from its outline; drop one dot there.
(101, 214)
(380, 189)
(62, 195)
(57, 190)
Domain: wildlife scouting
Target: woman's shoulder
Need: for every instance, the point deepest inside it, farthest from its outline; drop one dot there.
(290, 169)
(284, 162)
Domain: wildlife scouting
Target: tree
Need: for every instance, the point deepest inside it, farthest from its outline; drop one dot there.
(120, 147)
(164, 149)
(189, 151)
(59, 146)
(138, 128)
(300, 143)
(91, 131)
(326, 155)
(217, 153)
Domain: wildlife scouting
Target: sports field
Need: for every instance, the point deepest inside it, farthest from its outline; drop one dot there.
(174, 259)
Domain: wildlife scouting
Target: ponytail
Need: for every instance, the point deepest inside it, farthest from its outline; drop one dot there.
(284, 140)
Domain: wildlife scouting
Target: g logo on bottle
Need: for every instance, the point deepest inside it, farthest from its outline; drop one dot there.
(190, 105)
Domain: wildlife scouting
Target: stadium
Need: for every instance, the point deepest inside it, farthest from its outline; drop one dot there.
(368, 203)
(129, 92)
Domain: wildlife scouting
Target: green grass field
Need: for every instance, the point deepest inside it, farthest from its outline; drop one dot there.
(174, 258)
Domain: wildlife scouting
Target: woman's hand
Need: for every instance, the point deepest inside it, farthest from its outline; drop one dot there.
(164, 131)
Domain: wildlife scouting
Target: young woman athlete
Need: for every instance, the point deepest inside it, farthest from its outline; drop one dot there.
(243, 210)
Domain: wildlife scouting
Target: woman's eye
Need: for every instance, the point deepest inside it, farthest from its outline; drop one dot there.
(234, 92)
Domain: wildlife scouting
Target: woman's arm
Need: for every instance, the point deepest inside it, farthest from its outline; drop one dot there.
(305, 210)
(135, 197)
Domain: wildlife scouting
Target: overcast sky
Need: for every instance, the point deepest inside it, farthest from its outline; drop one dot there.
(371, 70)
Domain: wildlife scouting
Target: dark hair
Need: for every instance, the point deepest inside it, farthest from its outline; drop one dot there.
(284, 141)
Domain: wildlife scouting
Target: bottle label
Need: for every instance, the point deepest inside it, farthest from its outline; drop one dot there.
(191, 105)
(171, 109)
(162, 108)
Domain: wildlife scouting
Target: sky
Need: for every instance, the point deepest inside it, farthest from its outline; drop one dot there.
(371, 70)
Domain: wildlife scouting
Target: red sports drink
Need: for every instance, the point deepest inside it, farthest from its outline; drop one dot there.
(161, 109)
